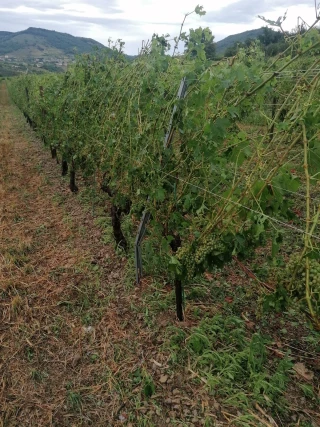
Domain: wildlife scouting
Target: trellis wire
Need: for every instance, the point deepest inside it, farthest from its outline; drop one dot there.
(284, 224)
(181, 94)
(146, 215)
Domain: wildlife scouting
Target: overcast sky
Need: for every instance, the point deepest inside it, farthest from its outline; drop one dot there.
(136, 20)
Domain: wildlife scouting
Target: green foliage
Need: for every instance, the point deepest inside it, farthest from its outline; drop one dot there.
(235, 48)
(295, 279)
(233, 366)
(7, 71)
(276, 23)
(74, 400)
(199, 10)
(141, 377)
(199, 44)
(276, 301)
(149, 387)
(270, 36)
(272, 41)
(235, 39)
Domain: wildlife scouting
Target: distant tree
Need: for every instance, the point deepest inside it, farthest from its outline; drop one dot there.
(273, 42)
(248, 42)
(210, 49)
(270, 36)
(52, 68)
(275, 48)
(200, 43)
(234, 49)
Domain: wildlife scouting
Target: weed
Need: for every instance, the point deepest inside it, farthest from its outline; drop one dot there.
(57, 272)
(29, 352)
(28, 269)
(39, 168)
(18, 218)
(21, 260)
(58, 199)
(82, 231)
(68, 220)
(278, 301)
(232, 366)
(313, 340)
(41, 229)
(74, 400)
(86, 319)
(148, 385)
(307, 390)
(46, 180)
(20, 252)
(143, 378)
(102, 221)
(58, 326)
(38, 376)
(16, 303)
(197, 293)
(94, 357)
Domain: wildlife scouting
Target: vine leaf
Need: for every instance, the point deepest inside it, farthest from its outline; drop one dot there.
(199, 10)
(175, 265)
(276, 23)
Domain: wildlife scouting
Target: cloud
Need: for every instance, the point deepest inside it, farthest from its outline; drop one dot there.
(136, 20)
(34, 4)
(109, 23)
(246, 11)
(64, 15)
(78, 24)
(111, 6)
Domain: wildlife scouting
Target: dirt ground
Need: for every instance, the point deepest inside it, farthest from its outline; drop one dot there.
(53, 269)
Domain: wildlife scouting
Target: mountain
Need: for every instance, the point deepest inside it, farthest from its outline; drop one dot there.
(4, 33)
(229, 41)
(38, 43)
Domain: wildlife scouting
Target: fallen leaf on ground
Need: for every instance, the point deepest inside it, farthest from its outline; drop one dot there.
(208, 276)
(163, 379)
(303, 371)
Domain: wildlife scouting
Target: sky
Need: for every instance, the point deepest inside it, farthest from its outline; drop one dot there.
(136, 20)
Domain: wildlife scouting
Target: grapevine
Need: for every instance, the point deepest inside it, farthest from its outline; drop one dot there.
(215, 185)
(297, 288)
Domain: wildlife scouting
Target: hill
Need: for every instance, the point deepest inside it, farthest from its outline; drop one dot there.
(4, 33)
(229, 41)
(38, 43)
